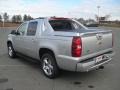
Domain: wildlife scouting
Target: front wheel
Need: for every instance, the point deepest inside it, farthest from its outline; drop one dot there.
(11, 51)
(49, 66)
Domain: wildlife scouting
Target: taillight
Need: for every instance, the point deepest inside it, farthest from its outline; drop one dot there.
(76, 47)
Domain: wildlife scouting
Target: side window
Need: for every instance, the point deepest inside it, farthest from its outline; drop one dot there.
(32, 27)
(21, 30)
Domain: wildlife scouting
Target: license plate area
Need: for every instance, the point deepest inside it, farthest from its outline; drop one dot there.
(99, 58)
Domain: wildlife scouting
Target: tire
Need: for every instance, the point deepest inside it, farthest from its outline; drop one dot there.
(11, 51)
(49, 66)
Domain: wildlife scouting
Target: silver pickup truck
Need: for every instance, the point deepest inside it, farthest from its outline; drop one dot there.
(61, 43)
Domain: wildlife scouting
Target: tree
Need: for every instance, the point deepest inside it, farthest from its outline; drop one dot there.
(18, 18)
(6, 17)
(81, 20)
(90, 20)
(27, 17)
(14, 19)
(0, 18)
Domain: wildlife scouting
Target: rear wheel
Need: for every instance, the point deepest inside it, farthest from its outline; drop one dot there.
(11, 51)
(49, 66)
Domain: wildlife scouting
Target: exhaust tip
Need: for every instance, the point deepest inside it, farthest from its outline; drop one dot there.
(101, 67)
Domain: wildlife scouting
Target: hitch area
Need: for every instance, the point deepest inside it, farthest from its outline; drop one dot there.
(100, 67)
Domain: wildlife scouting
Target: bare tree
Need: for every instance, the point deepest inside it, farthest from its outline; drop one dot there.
(0, 18)
(6, 17)
(27, 17)
(18, 18)
(14, 19)
(81, 20)
(90, 20)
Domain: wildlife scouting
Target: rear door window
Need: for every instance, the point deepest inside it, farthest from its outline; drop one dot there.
(32, 27)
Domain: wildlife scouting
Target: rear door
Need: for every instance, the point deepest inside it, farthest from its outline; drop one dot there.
(31, 39)
(19, 42)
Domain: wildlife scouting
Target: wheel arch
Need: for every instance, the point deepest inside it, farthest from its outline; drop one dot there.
(9, 42)
(47, 50)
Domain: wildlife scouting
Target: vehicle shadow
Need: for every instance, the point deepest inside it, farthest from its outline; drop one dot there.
(35, 64)
(70, 74)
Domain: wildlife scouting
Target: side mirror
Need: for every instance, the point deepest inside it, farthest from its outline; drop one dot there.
(17, 33)
(14, 32)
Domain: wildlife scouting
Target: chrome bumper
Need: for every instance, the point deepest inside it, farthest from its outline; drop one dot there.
(91, 64)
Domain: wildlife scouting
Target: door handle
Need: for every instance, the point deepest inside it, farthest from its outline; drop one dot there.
(33, 40)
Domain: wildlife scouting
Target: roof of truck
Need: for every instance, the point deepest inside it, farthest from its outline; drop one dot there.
(54, 18)
(58, 18)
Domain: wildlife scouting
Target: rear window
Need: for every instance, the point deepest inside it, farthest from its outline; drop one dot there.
(64, 25)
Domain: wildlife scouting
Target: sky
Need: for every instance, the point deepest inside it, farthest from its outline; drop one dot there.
(62, 8)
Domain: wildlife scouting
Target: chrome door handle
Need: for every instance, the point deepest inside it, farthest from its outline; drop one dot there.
(33, 40)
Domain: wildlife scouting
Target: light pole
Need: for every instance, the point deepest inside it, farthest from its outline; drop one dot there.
(98, 14)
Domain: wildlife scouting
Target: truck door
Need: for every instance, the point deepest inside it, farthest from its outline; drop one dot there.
(19, 42)
(31, 39)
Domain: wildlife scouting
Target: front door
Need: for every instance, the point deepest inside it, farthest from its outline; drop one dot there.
(19, 42)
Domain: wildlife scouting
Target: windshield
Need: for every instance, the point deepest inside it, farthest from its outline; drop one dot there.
(65, 25)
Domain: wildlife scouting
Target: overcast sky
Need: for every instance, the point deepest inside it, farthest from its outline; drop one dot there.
(67, 8)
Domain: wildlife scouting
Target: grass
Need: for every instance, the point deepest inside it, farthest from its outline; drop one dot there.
(110, 25)
(9, 24)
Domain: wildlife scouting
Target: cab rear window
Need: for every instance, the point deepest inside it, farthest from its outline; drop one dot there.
(64, 25)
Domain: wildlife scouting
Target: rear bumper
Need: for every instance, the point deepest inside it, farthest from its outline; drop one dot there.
(83, 65)
(91, 63)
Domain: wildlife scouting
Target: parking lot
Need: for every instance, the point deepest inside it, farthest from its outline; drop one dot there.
(24, 74)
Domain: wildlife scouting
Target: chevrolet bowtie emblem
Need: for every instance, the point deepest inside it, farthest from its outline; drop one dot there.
(99, 36)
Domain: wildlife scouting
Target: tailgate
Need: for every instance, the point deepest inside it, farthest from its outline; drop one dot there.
(93, 42)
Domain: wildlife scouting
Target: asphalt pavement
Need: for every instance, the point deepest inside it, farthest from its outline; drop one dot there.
(24, 74)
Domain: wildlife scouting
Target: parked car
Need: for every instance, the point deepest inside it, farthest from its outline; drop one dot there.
(92, 24)
(61, 43)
